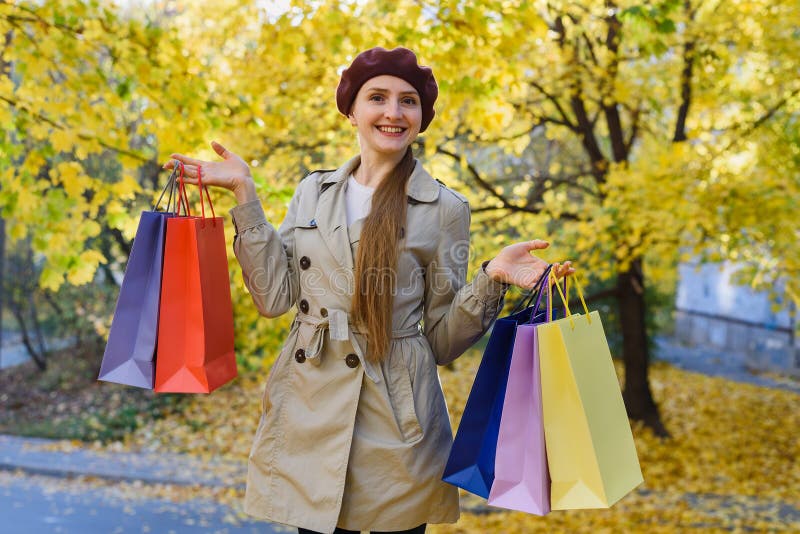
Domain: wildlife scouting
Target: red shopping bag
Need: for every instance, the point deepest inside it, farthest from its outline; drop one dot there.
(195, 330)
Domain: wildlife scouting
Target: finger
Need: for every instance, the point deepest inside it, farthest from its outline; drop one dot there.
(186, 160)
(190, 174)
(564, 270)
(221, 150)
(560, 271)
(553, 273)
(537, 244)
(171, 164)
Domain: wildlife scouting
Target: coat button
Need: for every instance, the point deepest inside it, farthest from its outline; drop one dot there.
(323, 312)
(305, 263)
(351, 360)
(304, 306)
(300, 355)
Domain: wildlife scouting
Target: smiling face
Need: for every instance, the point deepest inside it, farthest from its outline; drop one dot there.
(388, 114)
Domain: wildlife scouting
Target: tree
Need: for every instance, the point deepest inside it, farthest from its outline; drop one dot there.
(633, 134)
(92, 99)
(653, 96)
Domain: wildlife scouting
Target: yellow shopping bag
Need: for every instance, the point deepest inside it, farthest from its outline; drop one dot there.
(590, 450)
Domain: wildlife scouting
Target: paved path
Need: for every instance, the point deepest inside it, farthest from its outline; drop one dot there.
(53, 486)
(38, 505)
(61, 459)
(13, 351)
(717, 363)
(49, 486)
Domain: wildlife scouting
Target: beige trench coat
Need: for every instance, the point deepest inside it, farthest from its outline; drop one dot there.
(341, 441)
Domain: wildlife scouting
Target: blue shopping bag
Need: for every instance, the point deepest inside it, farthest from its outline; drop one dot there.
(472, 457)
(129, 357)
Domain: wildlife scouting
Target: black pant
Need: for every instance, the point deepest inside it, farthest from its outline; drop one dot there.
(418, 530)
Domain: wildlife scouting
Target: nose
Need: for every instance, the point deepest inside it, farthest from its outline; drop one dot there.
(392, 110)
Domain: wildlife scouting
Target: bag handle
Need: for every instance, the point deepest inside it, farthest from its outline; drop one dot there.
(545, 278)
(202, 187)
(527, 300)
(184, 198)
(538, 291)
(169, 186)
(565, 300)
(172, 187)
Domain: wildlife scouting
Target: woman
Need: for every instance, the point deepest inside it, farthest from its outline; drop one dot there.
(354, 431)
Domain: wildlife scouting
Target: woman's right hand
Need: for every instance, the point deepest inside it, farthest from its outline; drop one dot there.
(232, 173)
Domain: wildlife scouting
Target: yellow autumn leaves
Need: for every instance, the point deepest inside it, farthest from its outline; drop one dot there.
(731, 462)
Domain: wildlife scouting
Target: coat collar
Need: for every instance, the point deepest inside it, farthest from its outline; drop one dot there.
(422, 187)
(331, 216)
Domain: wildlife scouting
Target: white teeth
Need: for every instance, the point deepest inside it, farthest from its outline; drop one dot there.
(389, 129)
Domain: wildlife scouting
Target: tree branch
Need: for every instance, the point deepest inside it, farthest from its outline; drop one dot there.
(745, 131)
(486, 186)
(584, 127)
(552, 98)
(483, 184)
(609, 103)
(634, 129)
(83, 137)
(511, 137)
(123, 243)
(686, 82)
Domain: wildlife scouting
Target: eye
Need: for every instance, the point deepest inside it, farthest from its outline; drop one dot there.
(376, 98)
(409, 101)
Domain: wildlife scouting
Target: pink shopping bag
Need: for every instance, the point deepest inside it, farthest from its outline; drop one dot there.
(521, 480)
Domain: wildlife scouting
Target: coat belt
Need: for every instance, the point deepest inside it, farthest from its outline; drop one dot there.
(338, 324)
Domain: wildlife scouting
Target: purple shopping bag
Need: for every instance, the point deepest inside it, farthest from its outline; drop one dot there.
(129, 357)
(521, 478)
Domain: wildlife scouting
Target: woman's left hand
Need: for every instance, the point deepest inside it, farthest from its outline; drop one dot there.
(516, 265)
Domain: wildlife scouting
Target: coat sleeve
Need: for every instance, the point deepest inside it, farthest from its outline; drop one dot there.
(457, 314)
(266, 256)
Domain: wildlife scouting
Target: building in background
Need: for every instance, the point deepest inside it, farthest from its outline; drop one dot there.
(712, 312)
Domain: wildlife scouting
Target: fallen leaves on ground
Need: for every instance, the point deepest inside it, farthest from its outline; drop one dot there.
(731, 462)
(66, 401)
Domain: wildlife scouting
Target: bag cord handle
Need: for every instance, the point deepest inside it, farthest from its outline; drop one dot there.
(564, 297)
(202, 188)
(172, 186)
(533, 292)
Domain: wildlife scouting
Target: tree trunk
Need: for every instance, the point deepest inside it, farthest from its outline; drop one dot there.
(37, 328)
(37, 357)
(638, 398)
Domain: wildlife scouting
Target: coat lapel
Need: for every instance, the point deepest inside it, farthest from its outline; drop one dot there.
(331, 216)
(422, 187)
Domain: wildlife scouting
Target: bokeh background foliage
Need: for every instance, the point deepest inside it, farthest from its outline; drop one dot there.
(632, 135)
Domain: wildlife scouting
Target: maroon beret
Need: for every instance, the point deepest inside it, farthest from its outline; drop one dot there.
(400, 62)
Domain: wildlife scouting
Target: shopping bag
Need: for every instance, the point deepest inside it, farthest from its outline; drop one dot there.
(590, 450)
(195, 332)
(471, 463)
(130, 351)
(521, 480)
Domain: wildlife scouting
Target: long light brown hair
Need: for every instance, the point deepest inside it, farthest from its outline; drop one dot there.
(376, 259)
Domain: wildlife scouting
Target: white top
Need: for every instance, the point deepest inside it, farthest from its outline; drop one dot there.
(358, 199)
